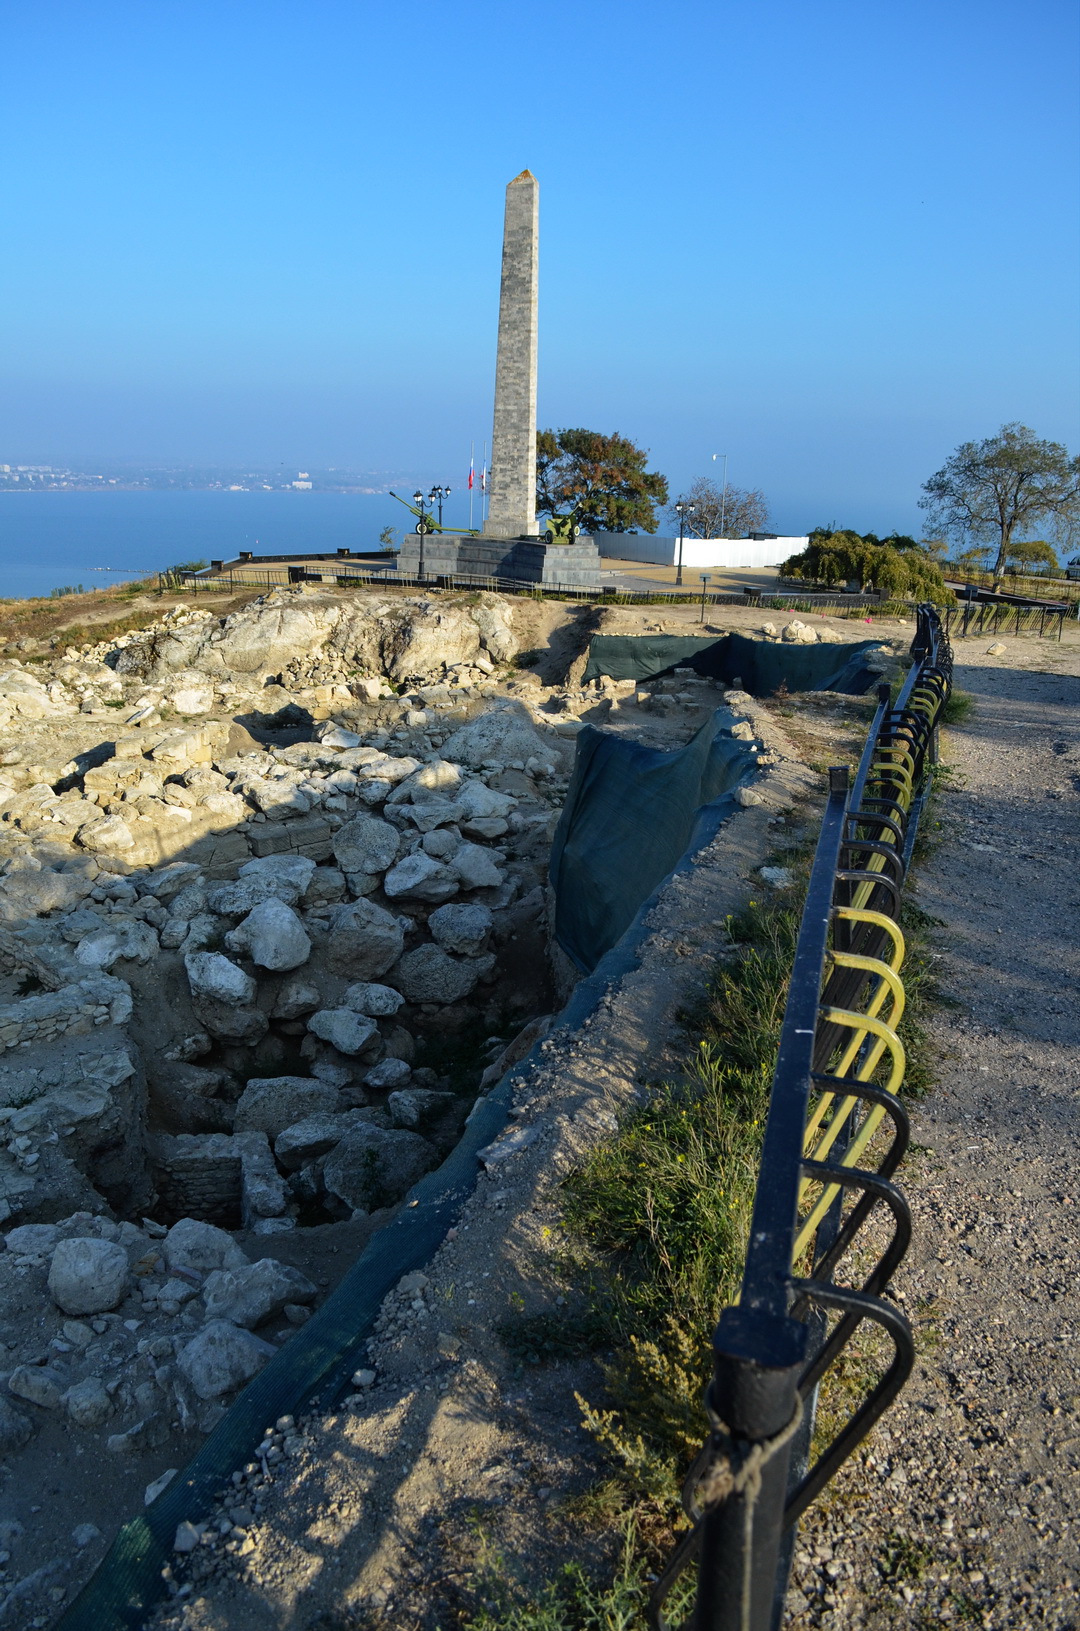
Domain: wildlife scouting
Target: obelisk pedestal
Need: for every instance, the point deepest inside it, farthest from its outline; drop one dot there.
(512, 508)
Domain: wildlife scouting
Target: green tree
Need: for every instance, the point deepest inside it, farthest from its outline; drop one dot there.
(988, 489)
(895, 565)
(731, 512)
(1033, 552)
(388, 538)
(603, 476)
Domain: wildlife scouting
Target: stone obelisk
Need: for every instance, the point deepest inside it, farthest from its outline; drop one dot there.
(512, 510)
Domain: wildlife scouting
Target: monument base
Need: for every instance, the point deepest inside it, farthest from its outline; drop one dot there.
(526, 560)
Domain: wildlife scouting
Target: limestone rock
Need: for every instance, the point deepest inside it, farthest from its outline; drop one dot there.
(366, 844)
(429, 975)
(311, 1137)
(194, 1247)
(437, 781)
(110, 835)
(420, 877)
(412, 1106)
(388, 1073)
(479, 802)
(363, 940)
(798, 633)
(88, 1276)
(345, 1029)
(295, 998)
(37, 1384)
(228, 1023)
(273, 936)
(382, 1001)
(29, 894)
(215, 978)
(87, 1403)
(461, 927)
(502, 735)
(374, 1166)
(286, 872)
(222, 1357)
(269, 1104)
(247, 1296)
(476, 868)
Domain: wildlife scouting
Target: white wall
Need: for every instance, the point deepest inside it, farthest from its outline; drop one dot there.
(700, 554)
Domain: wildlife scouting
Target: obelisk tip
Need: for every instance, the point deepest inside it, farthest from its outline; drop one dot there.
(526, 175)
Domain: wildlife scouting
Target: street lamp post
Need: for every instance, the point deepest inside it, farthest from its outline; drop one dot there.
(437, 495)
(421, 527)
(682, 511)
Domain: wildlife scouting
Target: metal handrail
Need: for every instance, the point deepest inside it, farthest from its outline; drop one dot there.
(827, 1108)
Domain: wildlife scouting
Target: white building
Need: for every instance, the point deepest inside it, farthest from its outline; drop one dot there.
(699, 554)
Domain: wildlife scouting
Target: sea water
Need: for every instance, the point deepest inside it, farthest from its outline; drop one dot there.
(54, 540)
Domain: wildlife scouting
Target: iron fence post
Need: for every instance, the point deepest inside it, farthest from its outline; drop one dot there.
(754, 1394)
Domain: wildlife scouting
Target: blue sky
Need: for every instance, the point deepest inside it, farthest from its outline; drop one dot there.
(831, 240)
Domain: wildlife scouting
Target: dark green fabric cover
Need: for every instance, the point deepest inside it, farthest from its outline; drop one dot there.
(762, 665)
(630, 815)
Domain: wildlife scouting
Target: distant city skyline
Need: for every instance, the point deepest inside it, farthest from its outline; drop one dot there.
(830, 242)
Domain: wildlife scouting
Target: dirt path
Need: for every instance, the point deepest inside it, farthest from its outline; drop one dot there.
(964, 1506)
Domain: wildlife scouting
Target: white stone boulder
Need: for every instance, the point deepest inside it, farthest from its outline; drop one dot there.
(214, 978)
(88, 1276)
(194, 1247)
(366, 845)
(269, 1104)
(272, 936)
(476, 867)
(500, 736)
(287, 872)
(798, 633)
(222, 1357)
(344, 1029)
(381, 1001)
(479, 802)
(87, 1402)
(461, 927)
(437, 781)
(364, 940)
(388, 1073)
(256, 1292)
(420, 877)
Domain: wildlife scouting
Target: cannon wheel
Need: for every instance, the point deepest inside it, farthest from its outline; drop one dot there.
(549, 536)
(419, 528)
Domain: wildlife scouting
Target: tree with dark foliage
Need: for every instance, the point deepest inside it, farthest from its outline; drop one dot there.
(603, 477)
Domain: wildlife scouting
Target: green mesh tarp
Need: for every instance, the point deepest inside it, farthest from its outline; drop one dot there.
(630, 815)
(762, 665)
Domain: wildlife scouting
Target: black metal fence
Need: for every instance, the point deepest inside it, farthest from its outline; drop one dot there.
(270, 577)
(835, 1133)
(996, 617)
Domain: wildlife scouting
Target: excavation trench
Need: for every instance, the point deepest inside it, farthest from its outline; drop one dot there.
(267, 978)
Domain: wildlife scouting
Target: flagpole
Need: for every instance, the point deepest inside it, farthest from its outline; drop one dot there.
(472, 459)
(483, 489)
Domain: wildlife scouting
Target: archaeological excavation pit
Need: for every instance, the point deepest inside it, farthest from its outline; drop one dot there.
(270, 926)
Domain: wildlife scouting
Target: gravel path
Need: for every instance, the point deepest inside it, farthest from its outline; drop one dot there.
(964, 1506)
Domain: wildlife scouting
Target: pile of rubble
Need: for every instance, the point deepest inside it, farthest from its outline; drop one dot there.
(237, 955)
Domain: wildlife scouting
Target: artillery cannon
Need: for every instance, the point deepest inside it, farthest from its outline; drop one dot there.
(428, 522)
(561, 529)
